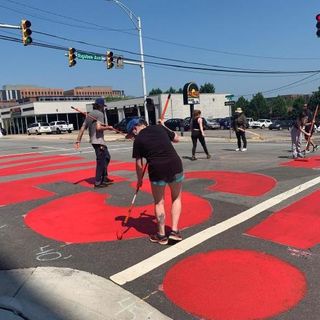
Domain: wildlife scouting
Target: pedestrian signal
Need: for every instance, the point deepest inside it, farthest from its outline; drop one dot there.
(72, 57)
(110, 60)
(119, 62)
(318, 25)
(26, 32)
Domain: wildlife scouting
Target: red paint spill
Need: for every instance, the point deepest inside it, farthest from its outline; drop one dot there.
(234, 285)
(242, 183)
(309, 162)
(87, 217)
(297, 225)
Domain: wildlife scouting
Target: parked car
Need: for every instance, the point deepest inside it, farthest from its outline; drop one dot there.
(60, 126)
(212, 124)
(250, 121)
(280, 124)
(38, 128)
(187, 122)
(225, 123)
(261, 123)
(122, 125)
(175, 124)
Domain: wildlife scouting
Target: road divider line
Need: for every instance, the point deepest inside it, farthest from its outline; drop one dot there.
(174, 251)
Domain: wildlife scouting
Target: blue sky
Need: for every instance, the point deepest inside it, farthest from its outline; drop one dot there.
(275, 35)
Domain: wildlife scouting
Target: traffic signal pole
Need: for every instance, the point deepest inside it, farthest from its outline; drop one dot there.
(9, 26)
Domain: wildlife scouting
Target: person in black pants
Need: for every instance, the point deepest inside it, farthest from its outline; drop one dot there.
(197, 133)
(96, 126)
(239, 127)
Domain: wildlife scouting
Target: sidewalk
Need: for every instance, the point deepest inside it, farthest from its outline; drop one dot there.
(47, 293)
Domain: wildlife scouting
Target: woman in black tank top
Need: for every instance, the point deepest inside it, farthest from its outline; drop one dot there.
(197, 133)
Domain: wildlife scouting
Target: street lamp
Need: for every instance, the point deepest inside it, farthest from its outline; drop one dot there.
(137, 25)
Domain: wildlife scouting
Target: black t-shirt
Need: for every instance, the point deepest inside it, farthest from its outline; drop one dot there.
(154, 144)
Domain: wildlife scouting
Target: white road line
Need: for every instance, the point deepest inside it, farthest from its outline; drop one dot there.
(172, 252)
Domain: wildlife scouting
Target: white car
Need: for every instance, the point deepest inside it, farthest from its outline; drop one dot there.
(60, 126)
(250, 121)
(261, 123)
(38, 128)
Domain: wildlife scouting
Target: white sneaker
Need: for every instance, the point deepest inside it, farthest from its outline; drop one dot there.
(237, 149)
(244, 149)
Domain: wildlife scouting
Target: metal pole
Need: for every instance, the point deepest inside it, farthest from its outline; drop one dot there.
(137, 25)
(143, 73)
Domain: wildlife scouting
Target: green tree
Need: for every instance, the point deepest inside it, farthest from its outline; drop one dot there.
(297, 107)
(244, 105)
(154, 92)
(171, 90)
(258, 107)
(278, 108)
(207, 88)
(315, 99)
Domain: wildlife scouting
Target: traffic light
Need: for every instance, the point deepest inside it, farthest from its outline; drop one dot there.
(72, 57)
(26, 32)
(110, 60)
(318, 25)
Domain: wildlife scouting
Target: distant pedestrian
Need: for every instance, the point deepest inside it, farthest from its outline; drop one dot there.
(96, 134)
(164, 167)
(240, 125)
(197, 133)
(296, 135)
(309, 127)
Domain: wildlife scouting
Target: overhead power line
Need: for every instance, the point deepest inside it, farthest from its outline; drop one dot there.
(242, 71)
(95, 26)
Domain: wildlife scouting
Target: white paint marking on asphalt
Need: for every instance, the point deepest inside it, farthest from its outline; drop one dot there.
(174, 251)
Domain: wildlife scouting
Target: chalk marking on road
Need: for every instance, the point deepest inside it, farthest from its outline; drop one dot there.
(3, 226)
(174, 251)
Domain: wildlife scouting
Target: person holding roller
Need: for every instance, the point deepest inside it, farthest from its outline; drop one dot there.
(95, 123)
(154, 143)
(239, 127)
(309, 127)
(296, 135)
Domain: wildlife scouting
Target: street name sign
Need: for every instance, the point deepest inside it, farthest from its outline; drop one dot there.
(90, 56)
(229, 103)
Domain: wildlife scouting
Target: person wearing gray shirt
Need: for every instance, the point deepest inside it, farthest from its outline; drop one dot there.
(95, 124)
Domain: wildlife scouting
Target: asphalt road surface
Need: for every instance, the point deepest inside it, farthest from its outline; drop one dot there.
(250, 224)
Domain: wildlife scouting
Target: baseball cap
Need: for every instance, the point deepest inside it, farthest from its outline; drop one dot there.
(131, 124)
(100, 101)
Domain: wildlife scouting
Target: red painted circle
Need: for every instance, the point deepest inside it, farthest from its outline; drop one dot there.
(88, 217)
(234, 285)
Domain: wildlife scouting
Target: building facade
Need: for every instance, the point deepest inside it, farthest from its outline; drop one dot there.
(94, 91)
(16, 119)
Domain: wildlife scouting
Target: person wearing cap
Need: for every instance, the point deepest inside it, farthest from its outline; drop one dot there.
(154, 143)
(96, 126)
(309, 127)
(240, 125)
